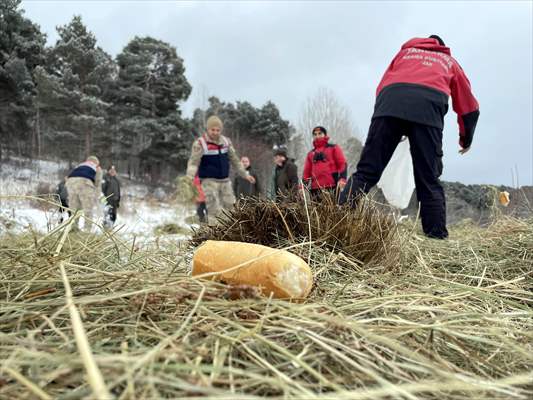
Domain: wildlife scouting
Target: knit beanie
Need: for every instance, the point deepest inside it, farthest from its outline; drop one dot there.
(214, 121)
(321, 129)
(280, 151)
(93, 159)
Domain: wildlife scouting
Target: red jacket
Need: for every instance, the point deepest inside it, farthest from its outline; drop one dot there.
(417, 84)
(325, 165)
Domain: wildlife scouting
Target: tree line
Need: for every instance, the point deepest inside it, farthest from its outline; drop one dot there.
(73, 99)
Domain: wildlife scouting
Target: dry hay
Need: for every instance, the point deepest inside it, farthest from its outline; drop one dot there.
(453, 321)
(171, 229)
(366, 233)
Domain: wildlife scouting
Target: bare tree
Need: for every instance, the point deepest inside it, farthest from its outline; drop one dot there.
(325, 109)
(201, 103)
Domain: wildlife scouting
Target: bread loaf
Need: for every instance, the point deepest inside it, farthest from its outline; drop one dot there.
(504, 198)
(275, 271)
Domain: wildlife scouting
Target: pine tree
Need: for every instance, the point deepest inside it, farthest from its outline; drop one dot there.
(75, 81)
(151, 83)
(21, 50)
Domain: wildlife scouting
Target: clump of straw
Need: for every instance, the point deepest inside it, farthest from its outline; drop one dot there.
(452, 321)
(366, 233)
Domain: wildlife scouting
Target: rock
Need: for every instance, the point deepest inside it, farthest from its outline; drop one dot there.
(159, 194)
(24, 174)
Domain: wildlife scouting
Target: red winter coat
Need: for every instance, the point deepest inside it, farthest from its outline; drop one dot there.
(325, 165)
(417, 84)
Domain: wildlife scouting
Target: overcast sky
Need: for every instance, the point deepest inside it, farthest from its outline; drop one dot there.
(284, 51)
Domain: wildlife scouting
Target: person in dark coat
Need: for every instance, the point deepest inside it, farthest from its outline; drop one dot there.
(243, 187)
(111, 191)
(411, 100)
(284, 175)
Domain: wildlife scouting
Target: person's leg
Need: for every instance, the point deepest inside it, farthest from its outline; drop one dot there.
(227, 196)
(73, 199)
(210, 188)
(426, 151)
(201, 212)
(87, 198)
(384, 135)
(113, 213)
(61, 210)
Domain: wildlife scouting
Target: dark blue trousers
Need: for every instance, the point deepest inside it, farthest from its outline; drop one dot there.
(426, 151)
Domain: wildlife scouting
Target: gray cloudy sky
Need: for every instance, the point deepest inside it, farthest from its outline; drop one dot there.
(283, 51)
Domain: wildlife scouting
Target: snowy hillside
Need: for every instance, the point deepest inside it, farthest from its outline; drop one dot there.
(142, 209)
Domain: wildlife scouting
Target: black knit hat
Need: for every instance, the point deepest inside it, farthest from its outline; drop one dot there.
(441, 42)
(321, 129)
(280, 151)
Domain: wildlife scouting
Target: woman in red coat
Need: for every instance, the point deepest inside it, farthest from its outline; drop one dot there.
(325, 166)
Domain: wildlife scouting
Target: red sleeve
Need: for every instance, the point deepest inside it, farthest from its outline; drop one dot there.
(465, 105)
(307, 167)
(340, 162)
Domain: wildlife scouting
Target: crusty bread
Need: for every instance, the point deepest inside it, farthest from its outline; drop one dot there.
(275, 271)
(504, 198)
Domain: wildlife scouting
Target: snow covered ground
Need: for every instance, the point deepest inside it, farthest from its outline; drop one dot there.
(139, 215)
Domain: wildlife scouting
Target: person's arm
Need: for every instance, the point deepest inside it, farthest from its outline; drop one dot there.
(465, 106)
(340, 163)
(236, 187)
(195, 159)
(118, 192)
(236, 162)
(308, 167)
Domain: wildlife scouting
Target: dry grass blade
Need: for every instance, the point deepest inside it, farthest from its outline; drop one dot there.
(94, 375)
(450, 320)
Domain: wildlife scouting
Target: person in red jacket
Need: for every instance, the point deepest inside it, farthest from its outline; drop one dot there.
(201, 208)
(325, 166)
(411, 100)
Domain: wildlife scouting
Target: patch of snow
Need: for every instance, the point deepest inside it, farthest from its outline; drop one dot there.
(142, 209)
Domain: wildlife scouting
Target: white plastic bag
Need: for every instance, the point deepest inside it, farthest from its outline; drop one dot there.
(397, 181)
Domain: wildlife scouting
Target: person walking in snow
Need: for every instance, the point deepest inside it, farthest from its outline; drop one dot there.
(411, 100)
(83, 186)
